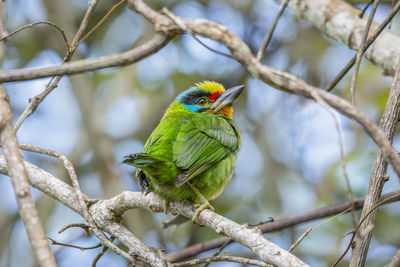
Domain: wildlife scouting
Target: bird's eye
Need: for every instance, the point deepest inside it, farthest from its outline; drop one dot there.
(202, 102)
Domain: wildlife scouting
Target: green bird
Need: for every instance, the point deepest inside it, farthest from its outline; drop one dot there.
(191, 154)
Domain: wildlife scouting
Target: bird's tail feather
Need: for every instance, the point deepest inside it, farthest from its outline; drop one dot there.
(158, 170)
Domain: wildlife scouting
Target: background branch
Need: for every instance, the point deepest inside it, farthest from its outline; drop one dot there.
(26, 205)
(35, 102)
(134, 55)
(340, 21)
(388, 124)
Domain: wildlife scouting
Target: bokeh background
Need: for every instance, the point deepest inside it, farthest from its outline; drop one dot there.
(289, 162)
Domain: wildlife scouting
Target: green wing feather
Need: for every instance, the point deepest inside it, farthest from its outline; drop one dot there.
(200, 144)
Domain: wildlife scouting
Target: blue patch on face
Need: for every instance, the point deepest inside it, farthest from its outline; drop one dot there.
(193, 108)
(188, 99)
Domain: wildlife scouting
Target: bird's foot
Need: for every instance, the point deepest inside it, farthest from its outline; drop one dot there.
(200, 207)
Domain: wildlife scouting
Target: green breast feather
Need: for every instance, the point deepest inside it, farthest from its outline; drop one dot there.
(189, 155)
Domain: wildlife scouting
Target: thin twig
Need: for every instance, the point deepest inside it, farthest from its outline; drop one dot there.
(37, 23)
(341, 149)
(54, 242)
(222, 258)
(365, 8)
(370, 40)
(101, 253)
(313, 227)
(182, 26)
(101, 21)
(84, 226)
(295, 244)
(35, 102)
(210, 48)
(268, 36)
(360, 53)
(220, 249)
(359, 225)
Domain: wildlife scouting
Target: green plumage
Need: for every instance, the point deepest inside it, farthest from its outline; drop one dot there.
(188, 147)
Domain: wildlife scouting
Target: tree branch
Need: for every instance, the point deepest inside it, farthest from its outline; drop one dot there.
(395, 261)
(35, 102)
(106, 214)
(388, 124)
(134, 55)
(64, 193)
(228, 258)
(341, 22)
(278, 225)
(19, 181)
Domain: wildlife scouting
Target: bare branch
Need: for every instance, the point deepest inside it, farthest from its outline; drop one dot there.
(54, 242)
(268, 35)
(341, 22)
(278, 225)
(370, 40)
(27, 209)
(100, 22)
(388, 124)
(79, 66)
(222, 258)
(19, 180)
(62, 192)
(295, 244)
(251, 238)
(395, 261)
(74, 178)
(106, 214)
(101, 253)
(37, 23)
(360, 224)
(35, 102)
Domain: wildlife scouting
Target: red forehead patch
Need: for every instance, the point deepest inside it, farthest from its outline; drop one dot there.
(214, 96)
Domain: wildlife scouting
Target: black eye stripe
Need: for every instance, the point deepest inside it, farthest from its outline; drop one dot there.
(191, 97)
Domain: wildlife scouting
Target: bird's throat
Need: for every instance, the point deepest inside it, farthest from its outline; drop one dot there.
(226, 111)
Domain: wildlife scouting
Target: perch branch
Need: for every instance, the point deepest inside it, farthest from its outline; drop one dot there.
(62, 192)
(278, 225)
(107, 212)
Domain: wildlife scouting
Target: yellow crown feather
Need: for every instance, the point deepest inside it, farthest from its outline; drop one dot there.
(211, 87)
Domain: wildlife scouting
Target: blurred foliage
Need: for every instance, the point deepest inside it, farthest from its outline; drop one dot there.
(289, 161)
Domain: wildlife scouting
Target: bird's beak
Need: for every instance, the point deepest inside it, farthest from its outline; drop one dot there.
(227, 98)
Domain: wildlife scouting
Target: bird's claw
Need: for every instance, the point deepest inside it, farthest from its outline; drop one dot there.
(200, 208)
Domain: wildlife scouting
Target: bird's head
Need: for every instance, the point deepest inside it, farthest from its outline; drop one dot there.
(210, 98)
